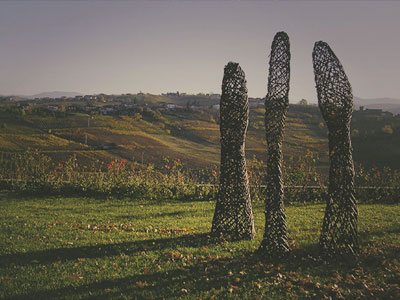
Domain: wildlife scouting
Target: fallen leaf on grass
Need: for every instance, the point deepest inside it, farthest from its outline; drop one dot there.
(350, 279)
(306, 281)
(257, 285)
(57, 263)
(141, 284)
(75, 276)
(288, 284)
(175, 255)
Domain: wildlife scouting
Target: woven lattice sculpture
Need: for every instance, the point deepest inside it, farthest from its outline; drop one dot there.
(275, 240)
(233, 212)
(335, 99)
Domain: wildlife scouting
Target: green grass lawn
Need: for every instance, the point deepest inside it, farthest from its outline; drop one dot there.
(80, 248)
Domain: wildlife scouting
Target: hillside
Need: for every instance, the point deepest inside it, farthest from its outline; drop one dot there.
(55, 94)
(386, 104)
(147, 133)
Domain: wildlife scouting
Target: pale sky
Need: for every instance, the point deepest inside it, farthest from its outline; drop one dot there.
(161, 46)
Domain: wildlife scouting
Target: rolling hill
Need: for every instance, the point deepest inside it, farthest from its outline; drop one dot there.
(55, 94)
(188, 132)
(386, 104)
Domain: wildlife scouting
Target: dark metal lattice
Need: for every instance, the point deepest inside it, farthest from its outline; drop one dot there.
(335, 99)
(275, 240)
(233, 212)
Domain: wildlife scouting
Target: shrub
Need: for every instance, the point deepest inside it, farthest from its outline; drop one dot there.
(33, 172)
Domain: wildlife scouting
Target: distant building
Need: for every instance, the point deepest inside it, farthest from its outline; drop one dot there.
(129, 105)
(106, 110)
(90, 108)
(90, 97)
(196, 108)
(71, 108)
(171, 106)
(107, 146)
(52, 107)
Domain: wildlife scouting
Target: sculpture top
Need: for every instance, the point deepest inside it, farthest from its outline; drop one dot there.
(234, 106)
(335, 97)
(277, 100)
(279, 68)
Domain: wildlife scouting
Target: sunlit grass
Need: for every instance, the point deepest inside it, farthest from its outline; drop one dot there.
(75, 248)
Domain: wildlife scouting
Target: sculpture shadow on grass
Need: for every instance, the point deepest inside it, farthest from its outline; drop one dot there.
(105, 250)
(205, 275)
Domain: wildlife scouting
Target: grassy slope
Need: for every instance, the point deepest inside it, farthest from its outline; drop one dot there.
(74, 248)
(192, 136)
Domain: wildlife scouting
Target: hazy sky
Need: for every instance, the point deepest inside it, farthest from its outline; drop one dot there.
(155, 47)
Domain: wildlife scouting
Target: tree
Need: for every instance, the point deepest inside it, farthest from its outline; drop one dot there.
(387, 129)
(335, 99)
(233, 212)
(101, 98)
(275, 240)
(303, 102)
(355, 133)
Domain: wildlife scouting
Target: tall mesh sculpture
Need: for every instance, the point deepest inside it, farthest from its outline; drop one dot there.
(275, 240)
(335, 99)
(233, 212)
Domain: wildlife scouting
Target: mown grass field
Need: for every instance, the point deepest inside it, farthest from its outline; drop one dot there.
(86, 248)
